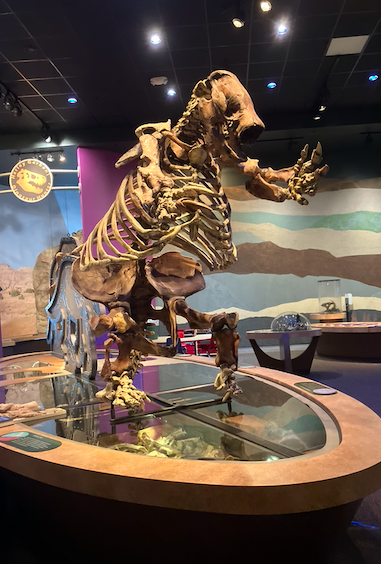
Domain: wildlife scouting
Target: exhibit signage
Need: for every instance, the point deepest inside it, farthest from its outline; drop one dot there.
(30, 442)
(31, 180)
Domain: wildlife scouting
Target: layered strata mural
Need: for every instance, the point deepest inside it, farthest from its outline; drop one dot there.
(284, 249)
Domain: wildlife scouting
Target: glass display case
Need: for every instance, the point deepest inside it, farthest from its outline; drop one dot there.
(266, 422)
(329, 296)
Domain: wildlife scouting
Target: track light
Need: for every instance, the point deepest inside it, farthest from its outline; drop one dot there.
(8, 102)
(50, 158)
(239, 16)
(45, 134)
(62, 158)
(265, 6)
(11, 104)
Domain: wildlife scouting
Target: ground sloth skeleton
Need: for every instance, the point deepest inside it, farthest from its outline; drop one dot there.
(174, 196)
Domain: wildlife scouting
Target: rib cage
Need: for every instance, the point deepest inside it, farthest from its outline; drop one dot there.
(198, 221)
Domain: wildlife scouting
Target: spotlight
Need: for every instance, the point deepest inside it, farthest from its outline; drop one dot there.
(17, 110)
(62, 158)
(322, 108)
(271, 85)
(50, 158)
(155, 39)
(317, 117)
(171, 92)
(265, 6)
(281, 29)
(72, 100)
(45, 134)
(8, 102)
(238, 22)
(373, 77)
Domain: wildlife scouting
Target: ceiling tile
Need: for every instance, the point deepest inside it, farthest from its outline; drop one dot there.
(369, 63)
(318, 7)
(345, 63)
(8, 73)
(227, 34)
(175, 11)
(37, 69)
(150, 61)
(337, 80)
(224, 56)
(190, 57)
(306, 67)
(374, 44)
(187, 37)
(16, 50)
(49, 116)
(307, 49)
(21, 88)
(51, 86)
(264, 52)
(76, 66)
(313, 27)
(62, 46)
(352, 24)
(363, 6)
(265, 70)
(10, 28)
(36, 103)
(29, 5)
(42, 23)
(3, 7)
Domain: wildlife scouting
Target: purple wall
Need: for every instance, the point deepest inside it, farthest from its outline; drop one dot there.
(99, 181)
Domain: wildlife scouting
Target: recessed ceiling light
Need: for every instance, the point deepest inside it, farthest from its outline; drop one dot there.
(281, 29)
(373, 77)
(347, 45)
(265, 6)
(271, 85)
(171, 92)
(72, 100)
(322, 108)
(317, 117)
(155, 39)
(30, 49)
(158, 80)
(238, 22)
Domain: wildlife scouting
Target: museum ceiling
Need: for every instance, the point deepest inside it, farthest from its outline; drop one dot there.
(99, 52)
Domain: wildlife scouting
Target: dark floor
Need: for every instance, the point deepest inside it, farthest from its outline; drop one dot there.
(362, 381)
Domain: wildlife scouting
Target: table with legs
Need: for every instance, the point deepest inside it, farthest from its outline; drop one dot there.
(298, 365)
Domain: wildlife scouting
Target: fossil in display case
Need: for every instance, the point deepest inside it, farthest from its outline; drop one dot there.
(174, 196)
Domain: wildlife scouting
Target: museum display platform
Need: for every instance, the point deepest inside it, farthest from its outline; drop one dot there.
(277, 471)
(352, 340)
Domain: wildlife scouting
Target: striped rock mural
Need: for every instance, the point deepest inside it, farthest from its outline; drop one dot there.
(284, 249)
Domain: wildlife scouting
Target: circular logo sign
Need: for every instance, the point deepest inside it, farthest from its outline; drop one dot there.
(30, 180)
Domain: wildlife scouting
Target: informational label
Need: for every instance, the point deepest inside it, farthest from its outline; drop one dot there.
(31, 180)
(315, 388)
(30, 442)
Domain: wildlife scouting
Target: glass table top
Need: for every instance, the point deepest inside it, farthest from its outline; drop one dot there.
(186, 417)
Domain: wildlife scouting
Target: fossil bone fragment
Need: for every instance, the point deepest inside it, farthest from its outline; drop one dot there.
(174, 196)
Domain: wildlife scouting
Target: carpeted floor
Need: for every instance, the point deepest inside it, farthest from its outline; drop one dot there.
(362, 381)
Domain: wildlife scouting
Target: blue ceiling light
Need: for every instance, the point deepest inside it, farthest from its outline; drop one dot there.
(155, 39)
(72, 100)
(271, 85)
(171, 92)
(281, 29)
(373, 77)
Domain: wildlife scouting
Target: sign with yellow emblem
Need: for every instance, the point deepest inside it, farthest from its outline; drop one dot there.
(31, 180)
